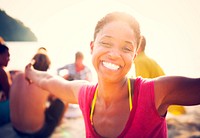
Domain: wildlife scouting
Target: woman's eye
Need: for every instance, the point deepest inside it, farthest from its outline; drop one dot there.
(127, 49)
(105, 44)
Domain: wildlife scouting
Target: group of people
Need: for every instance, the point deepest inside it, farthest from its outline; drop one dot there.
(33, 111)
(116, 106)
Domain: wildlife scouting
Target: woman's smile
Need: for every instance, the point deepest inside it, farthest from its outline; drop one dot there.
(110, 65)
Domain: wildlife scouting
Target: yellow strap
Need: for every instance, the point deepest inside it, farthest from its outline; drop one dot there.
(130, 97)
(93, 104)
(95, 98)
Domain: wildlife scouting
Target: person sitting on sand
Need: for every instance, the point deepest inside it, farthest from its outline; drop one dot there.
(5, 82)
(34, 111)
(118, 106)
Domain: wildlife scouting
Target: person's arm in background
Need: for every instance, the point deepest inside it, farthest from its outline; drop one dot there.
(63, 72)
(89, 75)
(61, 68)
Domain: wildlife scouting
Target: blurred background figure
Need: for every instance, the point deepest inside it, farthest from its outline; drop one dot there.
(42, 60)
(147, 67)
(75, 71)
(34, 112)
(42, 50)
(5, 83)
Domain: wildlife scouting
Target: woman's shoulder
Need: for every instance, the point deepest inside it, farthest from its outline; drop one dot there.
(88, 90)
(140, 82)
(143, 80)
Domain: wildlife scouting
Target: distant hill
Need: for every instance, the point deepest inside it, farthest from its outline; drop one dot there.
(14, 30)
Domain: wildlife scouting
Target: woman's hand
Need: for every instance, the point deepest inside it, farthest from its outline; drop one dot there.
(28, 68)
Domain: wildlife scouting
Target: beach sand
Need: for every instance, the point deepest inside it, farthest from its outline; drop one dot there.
(186, 125)
(181, 126)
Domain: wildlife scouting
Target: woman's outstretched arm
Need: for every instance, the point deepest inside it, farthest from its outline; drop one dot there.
(61, 88)
(176, 90)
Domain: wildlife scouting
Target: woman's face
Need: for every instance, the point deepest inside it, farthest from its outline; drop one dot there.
(113, 51)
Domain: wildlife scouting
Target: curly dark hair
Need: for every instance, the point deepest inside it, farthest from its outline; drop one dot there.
(42, 62)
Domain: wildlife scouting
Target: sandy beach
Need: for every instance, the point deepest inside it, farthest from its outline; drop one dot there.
(180, 126)
(186, 125)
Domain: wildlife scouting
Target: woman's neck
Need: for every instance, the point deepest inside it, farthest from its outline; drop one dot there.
(110, 92)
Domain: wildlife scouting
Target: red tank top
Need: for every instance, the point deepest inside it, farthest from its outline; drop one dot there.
(144, 120)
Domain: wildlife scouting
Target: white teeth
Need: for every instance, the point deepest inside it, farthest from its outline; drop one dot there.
(110, 66)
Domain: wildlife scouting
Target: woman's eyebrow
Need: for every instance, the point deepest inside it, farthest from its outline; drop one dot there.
(130, 42)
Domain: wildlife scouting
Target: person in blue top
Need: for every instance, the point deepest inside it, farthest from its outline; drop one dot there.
(77, 70)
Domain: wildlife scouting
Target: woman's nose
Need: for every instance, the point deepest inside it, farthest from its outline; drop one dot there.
(114, 53)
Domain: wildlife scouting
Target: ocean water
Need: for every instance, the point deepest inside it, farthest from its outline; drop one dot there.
(22, 52)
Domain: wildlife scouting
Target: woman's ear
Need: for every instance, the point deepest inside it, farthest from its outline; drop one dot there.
(91, 46)
(135, 56)
(136, 52)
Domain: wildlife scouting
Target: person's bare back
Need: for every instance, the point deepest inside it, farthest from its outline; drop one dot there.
(31, 109)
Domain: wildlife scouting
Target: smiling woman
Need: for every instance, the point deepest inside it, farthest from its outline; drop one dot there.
(125, 107)
(164, 37)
